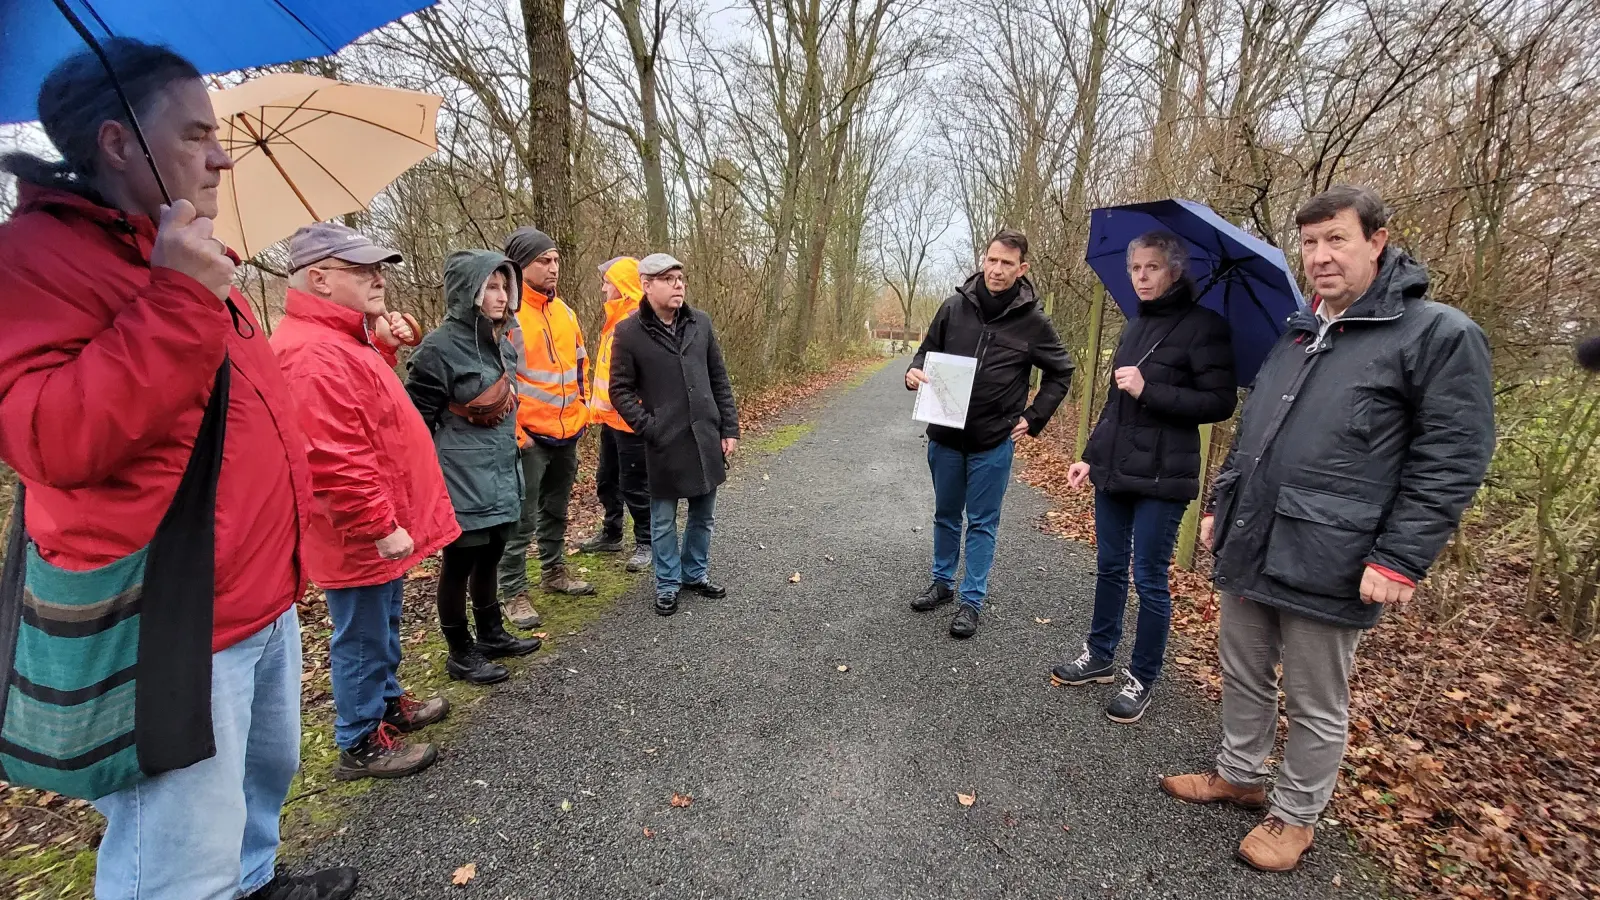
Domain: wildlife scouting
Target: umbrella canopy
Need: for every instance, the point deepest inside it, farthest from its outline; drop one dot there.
(1240, 276)
(215, 35)
(306, 149)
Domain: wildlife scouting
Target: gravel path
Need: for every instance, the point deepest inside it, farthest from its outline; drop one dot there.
(808, 781)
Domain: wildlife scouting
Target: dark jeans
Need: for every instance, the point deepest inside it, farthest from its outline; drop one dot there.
(689, 563)
(464, 569)
(1149, 529)
(548, 473)
(973, 484)
(621, 484)
(363, 657)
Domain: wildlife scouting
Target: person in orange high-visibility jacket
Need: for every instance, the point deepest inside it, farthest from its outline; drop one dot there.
(552, 369)
(620, 480)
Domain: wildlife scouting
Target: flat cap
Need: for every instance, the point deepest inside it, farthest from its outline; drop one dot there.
(658, 264)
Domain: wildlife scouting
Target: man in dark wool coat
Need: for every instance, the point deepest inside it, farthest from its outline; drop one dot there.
(669, 384)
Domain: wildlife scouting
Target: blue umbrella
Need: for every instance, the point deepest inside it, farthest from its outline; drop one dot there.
(1240, 276)
(215, 35)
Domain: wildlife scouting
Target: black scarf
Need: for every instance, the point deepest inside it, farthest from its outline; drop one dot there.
(991, 306)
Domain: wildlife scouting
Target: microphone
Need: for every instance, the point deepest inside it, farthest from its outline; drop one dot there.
(1589, 353)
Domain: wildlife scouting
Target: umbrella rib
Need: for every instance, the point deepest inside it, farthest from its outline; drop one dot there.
(354, 118)
(318, 163)
(279, 166)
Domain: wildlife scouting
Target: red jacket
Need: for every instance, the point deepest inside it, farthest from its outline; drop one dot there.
(105, 367)
(373, 466)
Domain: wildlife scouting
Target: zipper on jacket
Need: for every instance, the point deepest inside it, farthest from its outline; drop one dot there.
(562, 374)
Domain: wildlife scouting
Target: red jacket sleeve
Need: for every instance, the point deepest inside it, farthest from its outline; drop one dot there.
(345, 478)
(79, 399)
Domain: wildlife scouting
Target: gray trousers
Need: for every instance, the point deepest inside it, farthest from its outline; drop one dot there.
(1317, 659)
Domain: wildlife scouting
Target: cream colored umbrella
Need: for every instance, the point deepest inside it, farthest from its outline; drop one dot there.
(306, 149)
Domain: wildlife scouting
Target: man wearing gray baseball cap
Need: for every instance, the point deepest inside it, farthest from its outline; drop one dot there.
(382, 506)
(669, 384)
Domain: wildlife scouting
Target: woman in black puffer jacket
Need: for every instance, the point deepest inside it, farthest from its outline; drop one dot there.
(1173, 372)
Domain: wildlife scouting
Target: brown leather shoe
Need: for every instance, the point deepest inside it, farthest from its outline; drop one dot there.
(1275, 845)
(559, 581)
(407, 714)
(1213, 788)
(382, 754)
(521, 612)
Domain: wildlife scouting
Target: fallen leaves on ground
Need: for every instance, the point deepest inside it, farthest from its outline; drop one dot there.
(464, 874)
(844, 668)
(966, 799)
(1039, 621)
(1473, 761)
(682, 801)
(649, 832)
(795, 578)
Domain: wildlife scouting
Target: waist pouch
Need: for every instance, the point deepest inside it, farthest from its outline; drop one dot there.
(107, 672)
(491, 407)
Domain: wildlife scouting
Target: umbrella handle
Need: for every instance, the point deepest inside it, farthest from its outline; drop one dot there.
(416, 329)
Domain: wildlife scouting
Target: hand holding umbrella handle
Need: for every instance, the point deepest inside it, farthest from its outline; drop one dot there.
(396, 328)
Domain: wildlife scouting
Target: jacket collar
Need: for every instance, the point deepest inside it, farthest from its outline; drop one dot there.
(1400, 280)
(617, 310)
(135, 229)
(1177, 299)
(1025, 297)
(311, 308)
(533, 298)
(647, 315)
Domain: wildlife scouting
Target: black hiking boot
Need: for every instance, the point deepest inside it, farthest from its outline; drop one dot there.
(933, 597)
(328, 884)
(1084, 670)
(467, 662)
(382, 754)
(602, 543)
(667, 605)
(642, 558)
(494, 641)
(706, 589)
(1128, 706)
(965, 624)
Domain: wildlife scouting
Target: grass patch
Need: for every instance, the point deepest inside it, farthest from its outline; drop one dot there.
(867, 371)
(780, 438)
(35, 873)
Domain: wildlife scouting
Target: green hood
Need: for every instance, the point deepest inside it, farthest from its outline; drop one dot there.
(465, 274)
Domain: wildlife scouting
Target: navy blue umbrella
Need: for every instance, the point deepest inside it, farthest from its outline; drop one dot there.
(1240, 276)
(215, 35)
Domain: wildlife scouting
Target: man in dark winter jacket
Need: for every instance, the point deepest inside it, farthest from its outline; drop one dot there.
(1365, 436)
(669, 384)
(995, 318)
(1173, 373)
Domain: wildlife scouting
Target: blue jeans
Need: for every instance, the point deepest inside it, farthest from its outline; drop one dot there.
(1150, 528)
(210, 831)
(673, 570)
(363, 657)
(973, 483)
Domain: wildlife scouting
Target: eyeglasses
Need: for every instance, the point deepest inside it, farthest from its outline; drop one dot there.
(369, 272)
(674, 280)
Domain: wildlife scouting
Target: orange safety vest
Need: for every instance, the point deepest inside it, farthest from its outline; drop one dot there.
(550, 370)
(624, 276)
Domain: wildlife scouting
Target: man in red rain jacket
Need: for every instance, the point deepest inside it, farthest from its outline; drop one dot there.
(381, 504)
(114, 327)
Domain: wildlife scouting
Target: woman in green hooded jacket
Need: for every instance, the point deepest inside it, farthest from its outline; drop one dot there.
(462, 379)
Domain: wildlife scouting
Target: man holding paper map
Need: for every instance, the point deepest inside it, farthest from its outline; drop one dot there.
(971, 374)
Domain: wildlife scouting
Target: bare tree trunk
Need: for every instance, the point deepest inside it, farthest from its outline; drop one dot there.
(549, 154)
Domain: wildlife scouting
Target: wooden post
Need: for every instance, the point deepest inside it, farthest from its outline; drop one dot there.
(1085, 412)
(1189, 531)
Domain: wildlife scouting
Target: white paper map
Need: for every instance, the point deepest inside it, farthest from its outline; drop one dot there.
(943, 400)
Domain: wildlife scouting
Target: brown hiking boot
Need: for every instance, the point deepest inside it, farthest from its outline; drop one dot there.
(407, 714)
(522, 614)
(382, 754)
(1213, 788)
(559, 581)
(1275, 845)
